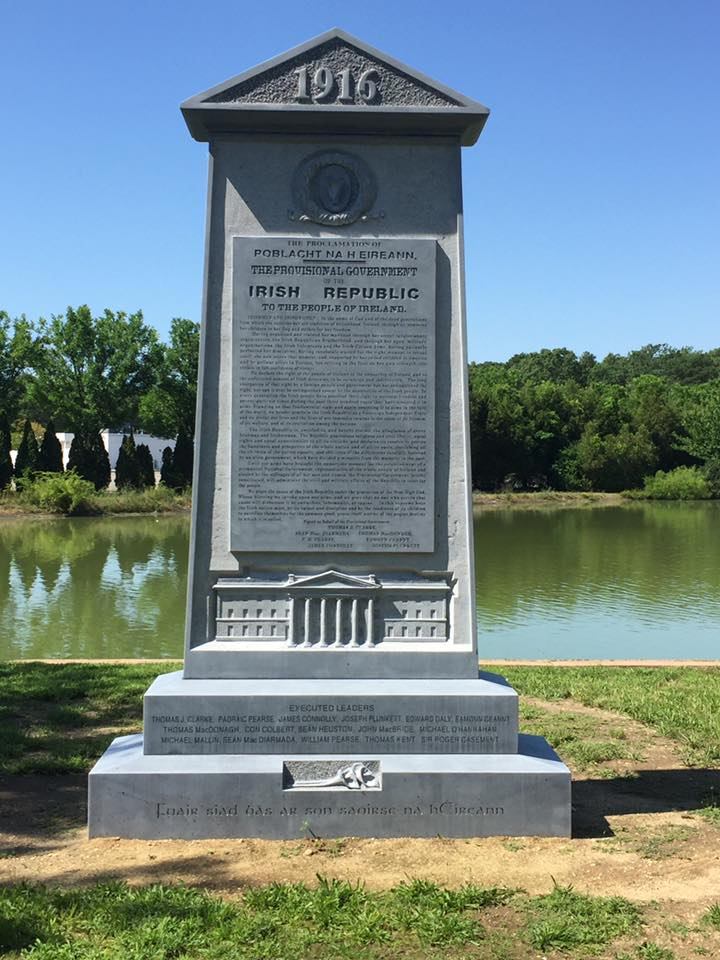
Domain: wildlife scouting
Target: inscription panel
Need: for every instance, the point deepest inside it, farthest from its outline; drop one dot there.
(331, 726)
(333, 425)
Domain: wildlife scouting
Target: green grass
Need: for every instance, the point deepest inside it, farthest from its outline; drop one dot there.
(576, 737)
(564, 919)
(712, 917)
(653, 843)
(50, 713)
(710, 809)
(159, 499)
(332, 919)
(416, 920)
(682, 703)
(58, 718)
(648, 951)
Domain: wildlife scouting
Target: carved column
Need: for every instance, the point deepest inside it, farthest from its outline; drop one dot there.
(291, 623)
(354, 623)
(323, 617)
(338, 621)
(369, 621)
(307, 642)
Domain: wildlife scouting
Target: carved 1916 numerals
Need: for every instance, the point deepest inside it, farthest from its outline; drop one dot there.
(323, 83)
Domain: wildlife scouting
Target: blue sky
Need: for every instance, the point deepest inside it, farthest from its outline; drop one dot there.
(592, 200)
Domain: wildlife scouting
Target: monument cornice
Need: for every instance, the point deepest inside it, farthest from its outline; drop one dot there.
(334, 84)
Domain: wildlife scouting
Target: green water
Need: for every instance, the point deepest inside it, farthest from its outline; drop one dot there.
(639, 581)
(93, 587)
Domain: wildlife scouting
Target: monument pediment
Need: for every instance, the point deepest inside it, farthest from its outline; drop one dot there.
(333, 579)
(334, 79)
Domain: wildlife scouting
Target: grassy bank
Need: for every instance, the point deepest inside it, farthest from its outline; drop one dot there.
(104, 503)
(543, 499)
(58, 718)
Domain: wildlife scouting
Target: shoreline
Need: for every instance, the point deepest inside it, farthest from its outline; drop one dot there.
(547, 499)
(655, 664)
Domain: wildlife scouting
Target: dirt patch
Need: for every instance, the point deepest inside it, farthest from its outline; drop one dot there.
(636, 834)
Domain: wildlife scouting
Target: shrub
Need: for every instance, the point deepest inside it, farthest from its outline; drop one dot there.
(146, 467)
(6, 467)
(88, 457)
(50, 459)
(127, 468)
(28, 455)
(711, 471)
(64, 493)
(682, 483)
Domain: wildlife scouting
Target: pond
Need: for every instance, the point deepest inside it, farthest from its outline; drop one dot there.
(639, 581)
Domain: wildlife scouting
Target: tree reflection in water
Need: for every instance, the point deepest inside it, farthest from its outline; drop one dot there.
(93, 587)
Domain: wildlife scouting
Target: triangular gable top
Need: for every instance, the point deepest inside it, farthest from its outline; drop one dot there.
(334, 83)
(333, 577)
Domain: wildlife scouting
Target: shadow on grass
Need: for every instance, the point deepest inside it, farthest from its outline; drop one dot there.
(650, 791)
(37, 810)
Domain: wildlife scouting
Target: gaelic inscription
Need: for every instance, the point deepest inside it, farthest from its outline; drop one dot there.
(333, 395)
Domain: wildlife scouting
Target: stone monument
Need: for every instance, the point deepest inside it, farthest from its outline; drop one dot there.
(330, 682)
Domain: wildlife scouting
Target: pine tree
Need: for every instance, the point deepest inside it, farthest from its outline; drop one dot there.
(50, 458)
(100, 461)
(88, 457)
(127, 471)
(6, 467)
(146, 467)
(183, 461)
(167, 471)
(28, 455)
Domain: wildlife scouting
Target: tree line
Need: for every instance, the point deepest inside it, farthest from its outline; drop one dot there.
(80, 373)
(555, 420)
(550, 419)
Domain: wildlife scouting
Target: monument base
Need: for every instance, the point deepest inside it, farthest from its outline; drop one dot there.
(142, 796)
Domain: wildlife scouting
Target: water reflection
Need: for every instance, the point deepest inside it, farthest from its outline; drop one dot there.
(641, 581)
(93, 588)
(635, 581)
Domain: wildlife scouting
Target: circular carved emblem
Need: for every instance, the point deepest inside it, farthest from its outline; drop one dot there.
(333, 188)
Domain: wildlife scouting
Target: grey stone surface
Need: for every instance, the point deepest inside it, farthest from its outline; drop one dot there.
(419, 191)
(135, 795)
(279, 84)
(330, 679)
(316, 717)
(360, 89)
(333, 407)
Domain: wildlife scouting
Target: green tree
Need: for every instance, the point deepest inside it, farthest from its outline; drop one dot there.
(50, 458)
(19, 352)
(701, 420)
(167, 472)
(127, 468)
(28, 455)
(146, 467)
(6, 466)
(89, 459)
(169, 406)
(610, 462)
(93, 370)
(558, 365)
(183, 460)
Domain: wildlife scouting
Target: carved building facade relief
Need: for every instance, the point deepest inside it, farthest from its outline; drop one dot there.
(332, 610)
